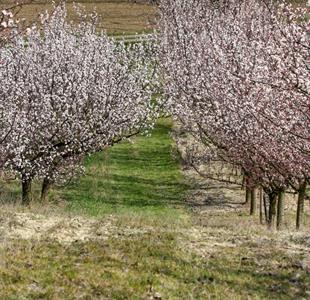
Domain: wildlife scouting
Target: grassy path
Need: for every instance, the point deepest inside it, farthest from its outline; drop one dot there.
(139, 177)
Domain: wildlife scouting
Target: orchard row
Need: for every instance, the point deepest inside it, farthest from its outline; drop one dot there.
(234, 73)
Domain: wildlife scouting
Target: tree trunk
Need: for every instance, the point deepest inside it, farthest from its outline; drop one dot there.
(26, 190)
(261, 206)
(280, 209)
(253, 202)
(46, 186)
(247, 195)
(272, 209)
(300, 205)
(265, 207)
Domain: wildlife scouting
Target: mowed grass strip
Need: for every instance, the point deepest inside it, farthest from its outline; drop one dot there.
(141, 176)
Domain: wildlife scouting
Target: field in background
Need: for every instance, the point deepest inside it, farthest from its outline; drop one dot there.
(117, 17)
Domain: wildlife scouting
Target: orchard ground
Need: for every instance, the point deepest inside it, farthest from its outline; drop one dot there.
(140, 226)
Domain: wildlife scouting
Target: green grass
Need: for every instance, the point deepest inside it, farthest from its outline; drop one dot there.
(138, 177)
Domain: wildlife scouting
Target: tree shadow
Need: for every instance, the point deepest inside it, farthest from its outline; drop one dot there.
(217, 197)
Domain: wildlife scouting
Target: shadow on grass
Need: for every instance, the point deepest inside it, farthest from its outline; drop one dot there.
(218, 197)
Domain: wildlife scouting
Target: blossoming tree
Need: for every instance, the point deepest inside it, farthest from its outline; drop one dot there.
(67, 91)
(236, 74)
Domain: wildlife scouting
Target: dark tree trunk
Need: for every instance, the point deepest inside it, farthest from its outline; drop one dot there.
(247, 195)
(26, 190)
(280, 209)
(300, 205)
(265, 207)
(272, 209)
(46, 186)
(253, 202)
(261, 206)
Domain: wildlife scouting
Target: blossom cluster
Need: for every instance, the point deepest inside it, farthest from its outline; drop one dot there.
(7, 23)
